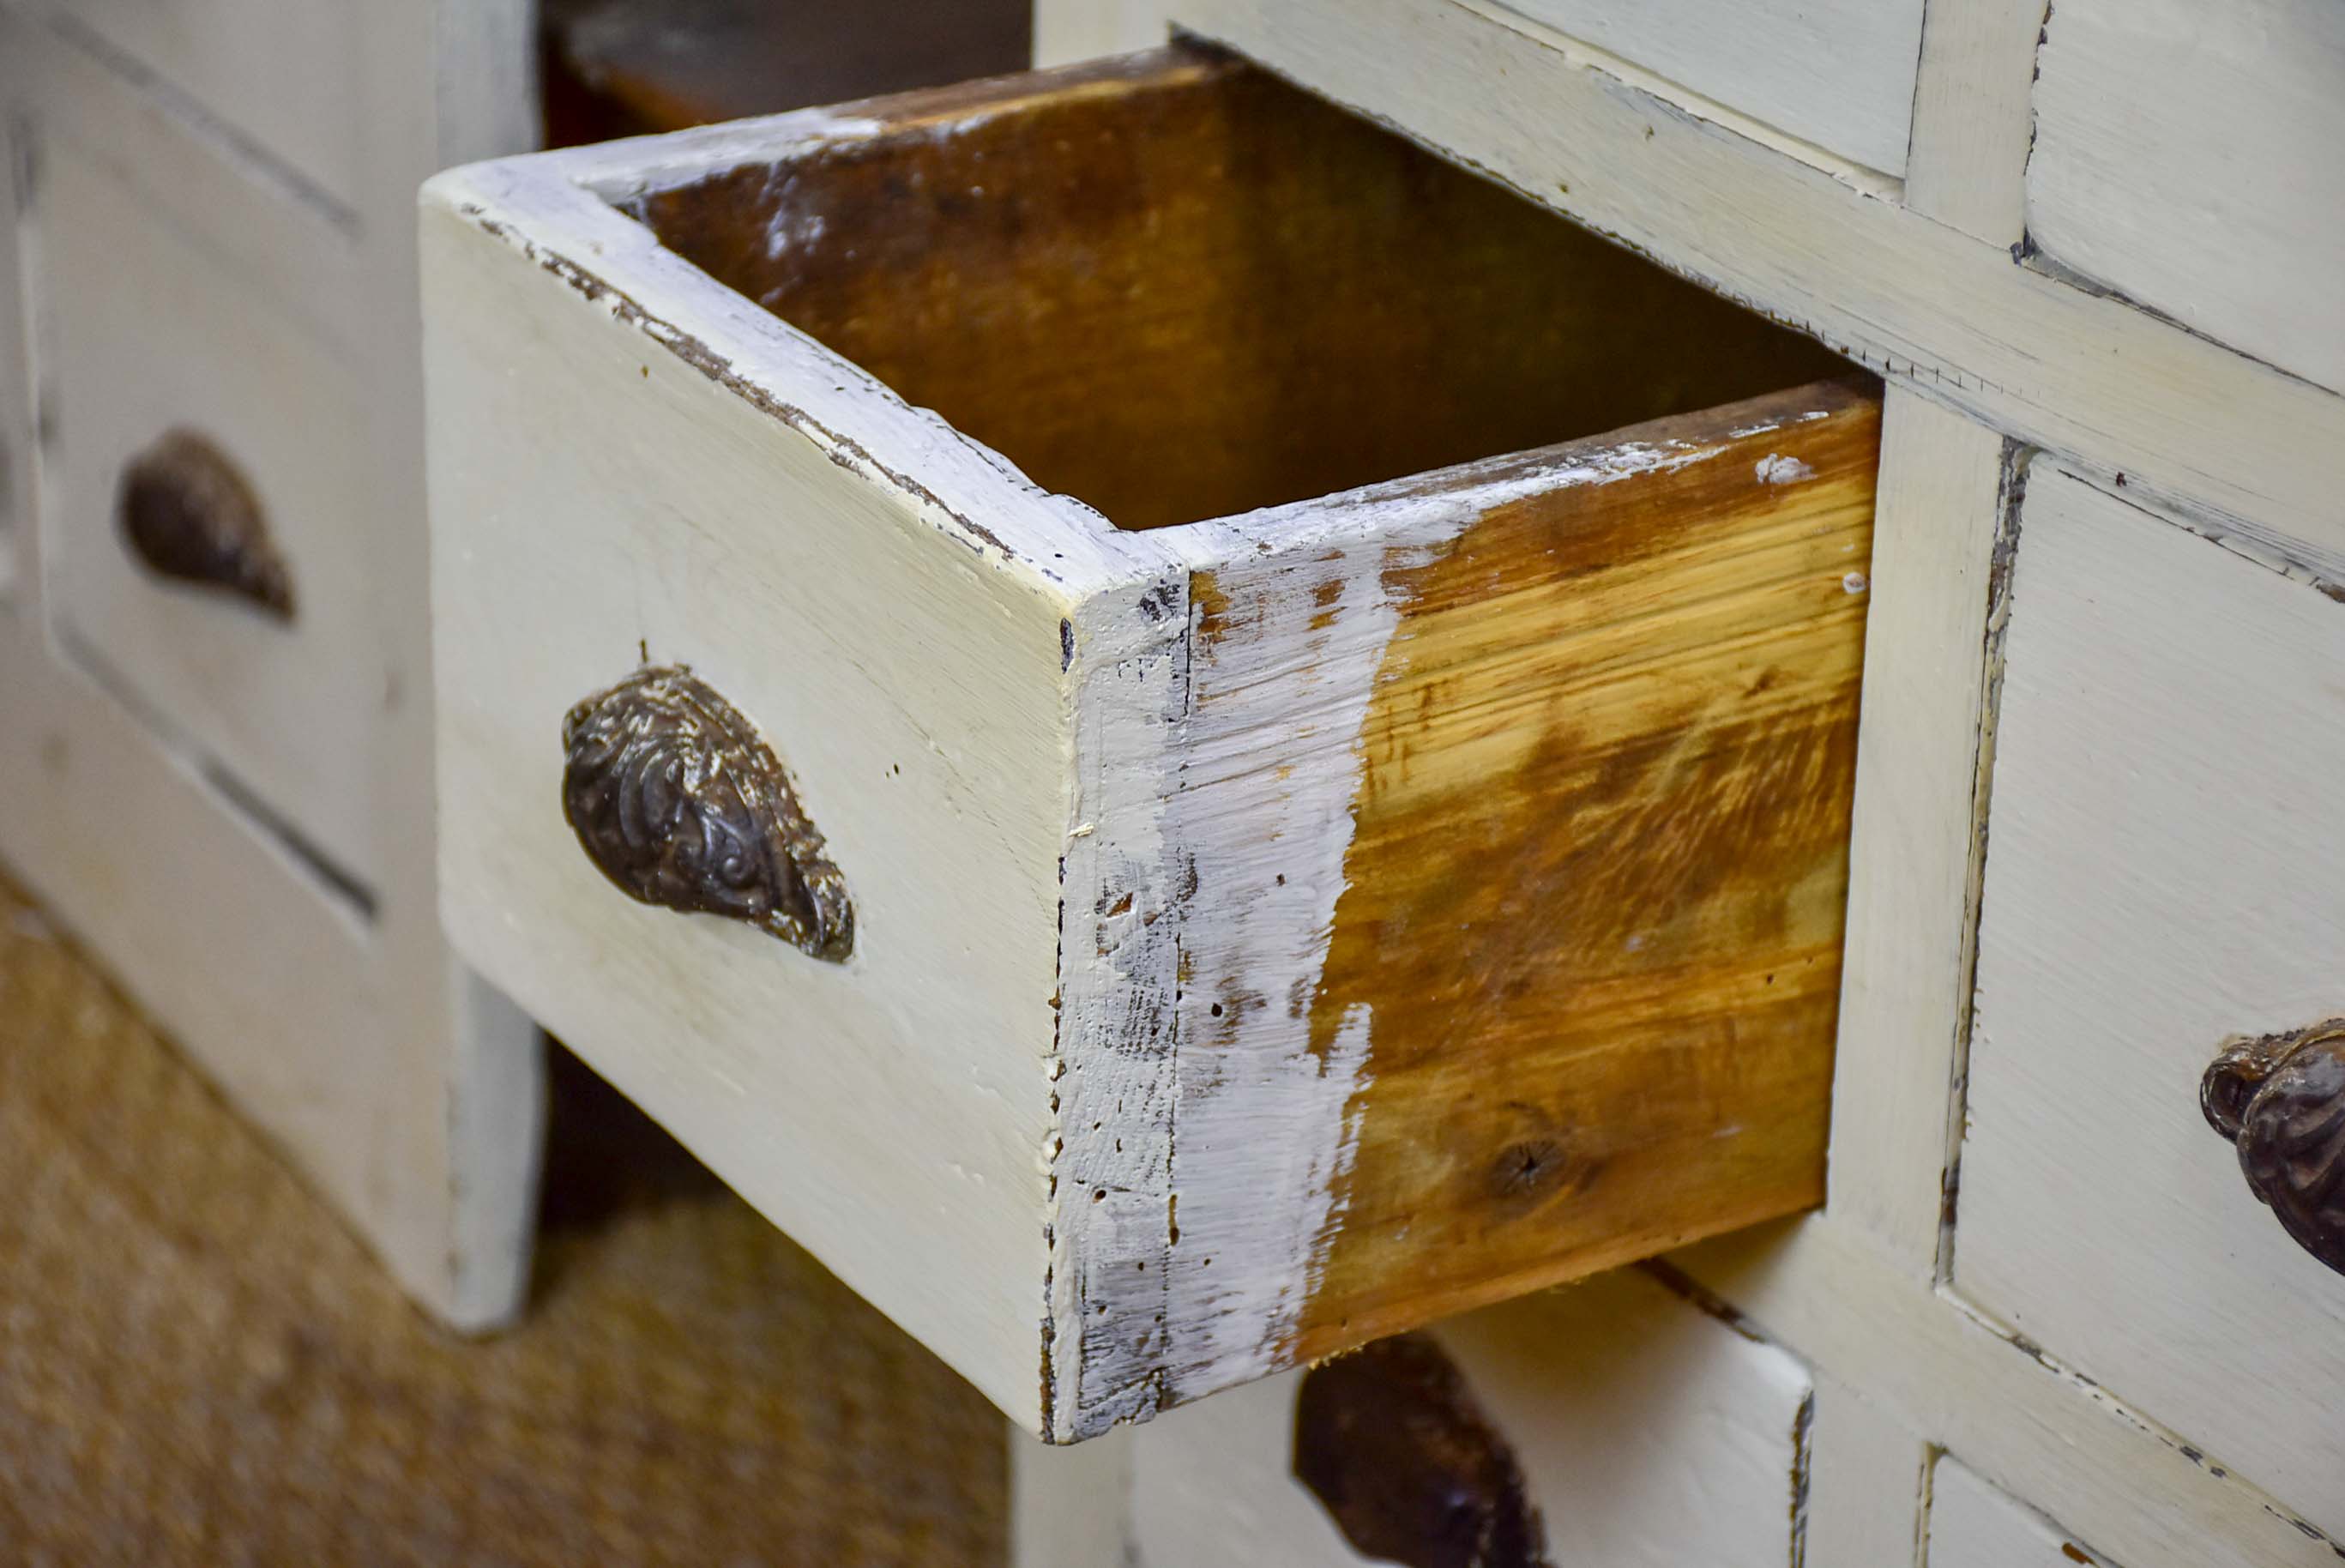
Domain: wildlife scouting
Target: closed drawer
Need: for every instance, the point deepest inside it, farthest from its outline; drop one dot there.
(1611, 1423)
(2175, 162)
(1306, 876)
(283, 78)
(2165, 869)
(210, 508)
(1836, 72)
(1975, 1525)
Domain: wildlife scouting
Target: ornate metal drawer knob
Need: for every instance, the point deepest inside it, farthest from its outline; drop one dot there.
(681, 803)
(1390, 1442)
(187, 511)
(2281, 1099)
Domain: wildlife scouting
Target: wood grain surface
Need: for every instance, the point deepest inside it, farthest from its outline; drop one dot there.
(1177, 289)
(1592, 904)
(1377, 875)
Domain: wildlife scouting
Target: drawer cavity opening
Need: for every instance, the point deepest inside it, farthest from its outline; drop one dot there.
(1177, 288)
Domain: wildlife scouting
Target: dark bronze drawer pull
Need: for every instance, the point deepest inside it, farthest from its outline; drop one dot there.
(1391, 1442)
(679, 802)
(187, 512)
(2280, 1098)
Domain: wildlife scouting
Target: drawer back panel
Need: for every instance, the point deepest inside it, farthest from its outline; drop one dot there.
(1201, 291)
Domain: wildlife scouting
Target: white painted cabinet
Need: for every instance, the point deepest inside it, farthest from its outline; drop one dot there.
(2184, 157)
(283, 81)
(2095, 833)
(210, 231)
(2165, 869)
(1119, 890)
(1084, 1108)
(152, 333)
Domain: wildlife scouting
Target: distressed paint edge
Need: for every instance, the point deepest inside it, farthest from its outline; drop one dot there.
(963, 489)
(1207, 1342)
(1110, 1219)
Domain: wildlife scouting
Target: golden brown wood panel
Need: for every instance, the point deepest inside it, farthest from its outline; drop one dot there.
(1177, 288)
(1594, 894)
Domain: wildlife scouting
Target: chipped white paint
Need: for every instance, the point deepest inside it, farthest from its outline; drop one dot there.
(1111, 1205)
(1271, 770)
(1776, 469)
(1272, 767)
(1113, 1063)
(624, 171)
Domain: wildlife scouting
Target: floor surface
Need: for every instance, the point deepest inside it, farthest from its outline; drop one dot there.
(198, 1365)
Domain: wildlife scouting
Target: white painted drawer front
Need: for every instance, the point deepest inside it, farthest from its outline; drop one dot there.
(2186, 156)
(1146, 1069)
(1974, 1525)
(1648, 1435)
(2166, 867)
(1837, 73)
(283, 76)
(147, 331)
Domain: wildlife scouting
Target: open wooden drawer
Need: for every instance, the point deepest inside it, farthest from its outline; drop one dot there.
(1170, 859)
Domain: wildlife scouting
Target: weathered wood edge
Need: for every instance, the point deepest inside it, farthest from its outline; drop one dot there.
(1114, 1067)
(1131, 1331)
(545, 209)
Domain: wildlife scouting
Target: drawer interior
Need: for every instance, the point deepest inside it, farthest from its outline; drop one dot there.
(1397, 866)
(1185, 291)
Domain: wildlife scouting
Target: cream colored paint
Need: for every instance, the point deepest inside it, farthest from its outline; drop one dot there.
(1929, 306)
(1867, 1482)
(1972, 120)
(1071, 1507)
(1134, 798)
(2184, 157)
(1974, 1525)
(405, 1093)
(1835, 73)
(1955, 1378)
(1913, 836)
(283, 83)
(148, 331)
(2163, 869)
(1648, 1435)
(890, 1113)
(1066, 31)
